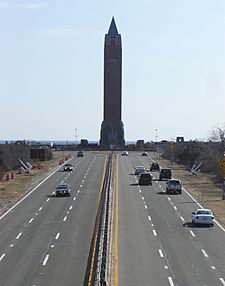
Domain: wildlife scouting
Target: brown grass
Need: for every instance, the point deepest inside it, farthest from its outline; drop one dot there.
(12, 190)
(201, 186)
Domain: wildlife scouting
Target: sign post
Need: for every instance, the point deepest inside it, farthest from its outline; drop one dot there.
(222, 166)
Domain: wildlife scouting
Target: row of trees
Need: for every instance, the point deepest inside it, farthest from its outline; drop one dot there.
(209, 153)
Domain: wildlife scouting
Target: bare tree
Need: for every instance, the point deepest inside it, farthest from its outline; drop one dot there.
(217, 133)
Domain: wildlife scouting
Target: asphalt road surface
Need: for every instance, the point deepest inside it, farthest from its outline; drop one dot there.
(46, 240)
(157, 244)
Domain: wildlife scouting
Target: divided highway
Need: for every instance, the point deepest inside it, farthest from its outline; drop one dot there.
(46, 240)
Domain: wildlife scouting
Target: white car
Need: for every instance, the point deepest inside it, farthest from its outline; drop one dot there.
(139, 169)
(124, 153)
(203, 216)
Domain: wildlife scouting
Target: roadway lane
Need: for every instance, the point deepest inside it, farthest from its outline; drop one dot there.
(46, 240)
(157, 244)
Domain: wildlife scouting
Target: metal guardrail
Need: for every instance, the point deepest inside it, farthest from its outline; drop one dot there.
(96, 272)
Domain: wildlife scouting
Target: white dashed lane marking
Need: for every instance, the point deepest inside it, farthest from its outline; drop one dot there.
(57, 236)
(30, 221)
(175, 207)
(149, 218)
(204, 253)
(192, 233)
(70, 208)
(171, 281)
(222, 281)
(65, 218)
(19, 235)
(161, 253)
(181, 218)
(40, 208)
(45, 260)
(154, 232)
(146, 207)
(74, 199)
(213, 267)
(2, 256)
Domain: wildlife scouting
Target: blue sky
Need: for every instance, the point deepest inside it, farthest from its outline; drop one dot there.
(51, 67)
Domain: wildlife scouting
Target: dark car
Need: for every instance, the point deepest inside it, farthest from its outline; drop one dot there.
(68, 167)
(165, 174)
(154, 167)
(80, 154)
(63, 190)
(145, 179)
(144, 154)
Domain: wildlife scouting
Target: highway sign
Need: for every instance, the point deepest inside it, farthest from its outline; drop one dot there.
(222, 164)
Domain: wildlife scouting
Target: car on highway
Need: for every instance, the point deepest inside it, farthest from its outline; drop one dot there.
(145, 179)
(68, 167)
(165, 174)
(80, 153)
(63, 190)
(203, 216)
(144, 154)
(139, 169)
(154, 167)
(173, 186)
(124, 153)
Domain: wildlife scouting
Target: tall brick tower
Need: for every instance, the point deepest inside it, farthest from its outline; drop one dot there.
(112, 130)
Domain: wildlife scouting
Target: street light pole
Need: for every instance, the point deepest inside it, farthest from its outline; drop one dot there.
(76, 135)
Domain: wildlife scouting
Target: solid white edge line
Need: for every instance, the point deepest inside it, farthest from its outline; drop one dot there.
(171, 281)
(221, 227)
(2, 256)
(45, 260)
(28, 194)
(222, 281)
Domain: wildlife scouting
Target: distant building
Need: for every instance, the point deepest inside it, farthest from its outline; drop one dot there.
(112, 129)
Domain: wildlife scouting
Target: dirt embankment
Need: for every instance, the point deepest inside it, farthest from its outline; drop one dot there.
(202, 187)
(13, 189)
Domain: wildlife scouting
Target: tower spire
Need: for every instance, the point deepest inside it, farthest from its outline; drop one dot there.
(113, 29)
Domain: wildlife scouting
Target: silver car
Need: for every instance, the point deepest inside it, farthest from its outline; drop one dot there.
(203, 216)
(139, 169)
